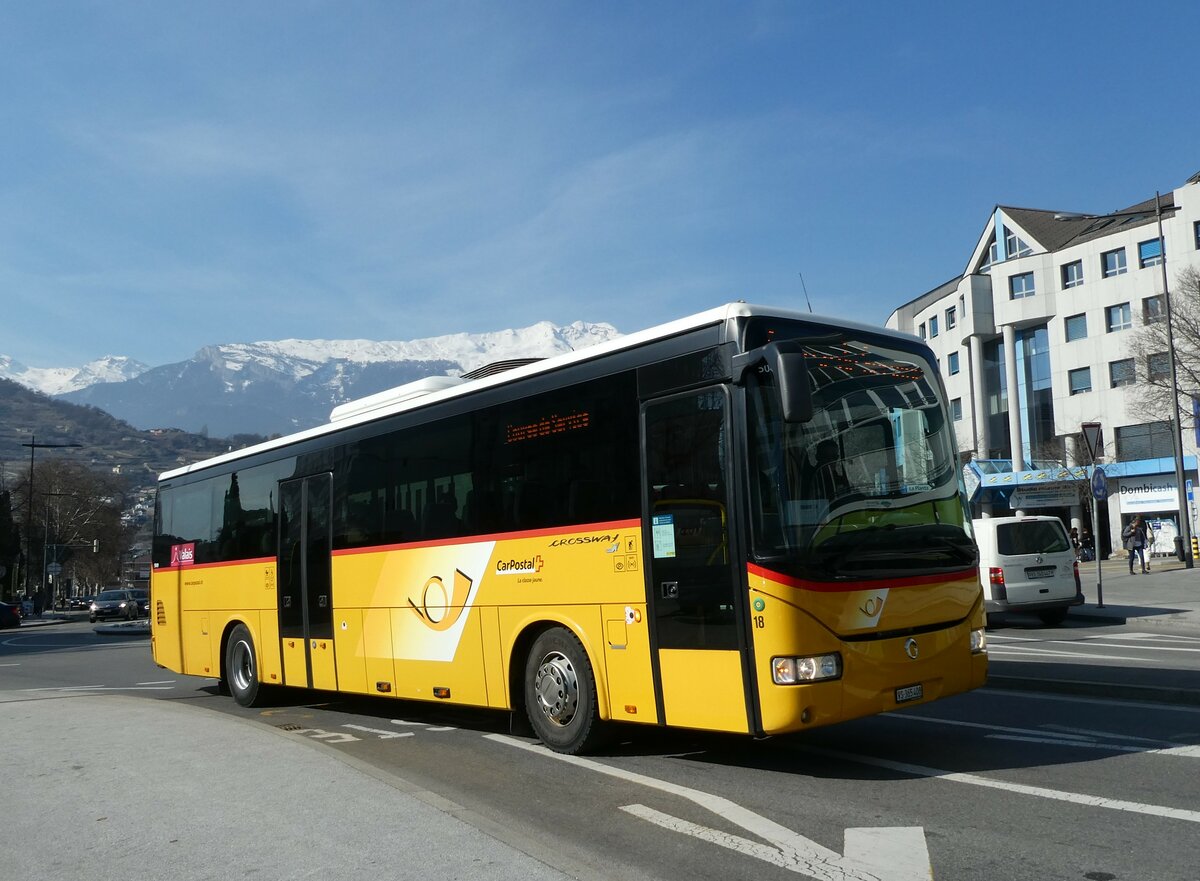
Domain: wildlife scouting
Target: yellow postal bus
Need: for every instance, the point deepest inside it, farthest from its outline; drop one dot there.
(749, 520)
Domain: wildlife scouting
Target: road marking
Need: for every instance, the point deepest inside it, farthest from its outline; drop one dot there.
(1061, 735)
(1095, 701)
(937, 720)
(1070, 744)
(326, 736)
(1094, 801)
(383, 735)
(1017, 652)
(424, 725)
(1110, 645)
(1088, 732)
(159, 682)
(91, 688)
(1153, 637)
(892, 855)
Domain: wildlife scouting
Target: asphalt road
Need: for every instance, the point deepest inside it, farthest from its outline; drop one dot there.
(1001, 783)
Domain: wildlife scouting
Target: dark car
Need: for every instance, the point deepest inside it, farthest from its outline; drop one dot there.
(143, 597)
(114, 603)
(81, 604)
(10, 615)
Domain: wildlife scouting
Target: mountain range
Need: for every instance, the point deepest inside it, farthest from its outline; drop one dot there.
(277, 387)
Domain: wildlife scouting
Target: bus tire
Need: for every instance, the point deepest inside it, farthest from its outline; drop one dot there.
(560, 693)
(241, 669)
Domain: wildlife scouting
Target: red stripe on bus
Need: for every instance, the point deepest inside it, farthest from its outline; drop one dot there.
(495, 536)
(845, 587)
(257, 561)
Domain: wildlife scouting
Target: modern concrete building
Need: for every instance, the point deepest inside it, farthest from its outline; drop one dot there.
(1048, 304)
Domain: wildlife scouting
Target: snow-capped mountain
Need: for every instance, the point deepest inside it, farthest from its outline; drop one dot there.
(276, 387)
(60, 380)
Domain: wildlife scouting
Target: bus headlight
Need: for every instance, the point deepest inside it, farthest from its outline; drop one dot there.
(978, 641)
(793, 671)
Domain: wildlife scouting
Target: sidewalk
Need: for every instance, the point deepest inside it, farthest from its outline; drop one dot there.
(118, 787)
(1168, 596)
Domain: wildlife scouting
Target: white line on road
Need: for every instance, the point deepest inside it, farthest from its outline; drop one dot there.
(159, 682)
(1111, 645)
(1094, 801)
(1016, 652)
(91, 688)
(382, 733)
(795, 852)
(1151, 637)
(936, 720)
(1070, 744)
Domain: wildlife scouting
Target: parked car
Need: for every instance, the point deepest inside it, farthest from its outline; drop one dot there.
(10, 615)
(1027, 564)
(81, 604)
(114, 603)
(143, 598)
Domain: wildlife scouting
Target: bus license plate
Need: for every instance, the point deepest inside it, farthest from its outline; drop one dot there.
(909, 693)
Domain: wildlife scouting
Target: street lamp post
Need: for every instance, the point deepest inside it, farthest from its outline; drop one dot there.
(34, 446)
(1185, 519)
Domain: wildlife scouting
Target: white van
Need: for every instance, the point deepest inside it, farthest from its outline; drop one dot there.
(1027, 564)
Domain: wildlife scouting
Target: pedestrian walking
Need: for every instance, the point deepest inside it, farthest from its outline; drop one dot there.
(1135, 537)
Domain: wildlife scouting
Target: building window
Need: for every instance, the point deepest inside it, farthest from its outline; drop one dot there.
(1121, 372)
(1076, 327)
(1150, 253)
(1021, 286)
(1113, 262)
(1154, 309)
(1080, 380)
(1118, 317)
(933, 326)
(952, 363)
(1072, 274)
(962, 304)
(951, 318)
(1196, 232)
(1015, 245)
(921, 330)
(1158, 365)
(956, 409)
(1151, 440)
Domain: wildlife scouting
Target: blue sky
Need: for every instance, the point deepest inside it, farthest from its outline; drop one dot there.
(182, 174)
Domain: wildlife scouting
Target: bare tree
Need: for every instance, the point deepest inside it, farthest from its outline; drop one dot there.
(75, 521)
(1150, 398)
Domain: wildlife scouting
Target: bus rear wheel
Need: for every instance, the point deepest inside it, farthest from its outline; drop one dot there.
(241, 669)
(560, 693)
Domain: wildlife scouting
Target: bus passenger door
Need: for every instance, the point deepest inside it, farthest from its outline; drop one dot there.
(305, 582)
(693, 585)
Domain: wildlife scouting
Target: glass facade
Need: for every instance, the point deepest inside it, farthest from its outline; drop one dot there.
(1034, 395)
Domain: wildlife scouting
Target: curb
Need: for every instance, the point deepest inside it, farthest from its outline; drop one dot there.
(1079, 687)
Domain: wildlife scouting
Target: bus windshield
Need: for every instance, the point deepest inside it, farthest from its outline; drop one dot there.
(870, 486)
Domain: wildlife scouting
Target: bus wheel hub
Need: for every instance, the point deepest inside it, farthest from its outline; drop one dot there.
(557, 688)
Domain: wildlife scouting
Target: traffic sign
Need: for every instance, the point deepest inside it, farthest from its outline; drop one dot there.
(54, 568)
(1099, 484)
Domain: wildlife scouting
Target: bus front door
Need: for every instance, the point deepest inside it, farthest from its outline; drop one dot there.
(305, 583)
(692, 582)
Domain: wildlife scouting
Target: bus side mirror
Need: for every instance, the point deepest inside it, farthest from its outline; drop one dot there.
(784, 361)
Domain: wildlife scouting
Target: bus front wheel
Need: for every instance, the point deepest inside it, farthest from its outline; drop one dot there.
(560, 693)
(241, 668)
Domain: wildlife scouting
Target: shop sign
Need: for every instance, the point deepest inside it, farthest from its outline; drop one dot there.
(1053, 496)
(1153, 493)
